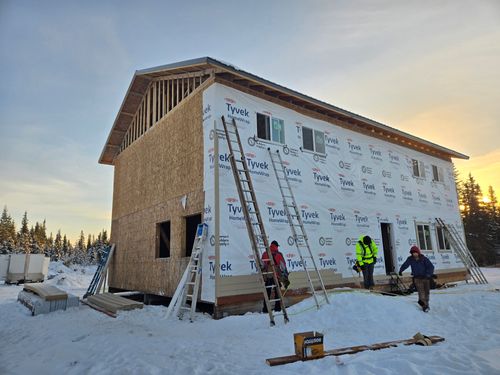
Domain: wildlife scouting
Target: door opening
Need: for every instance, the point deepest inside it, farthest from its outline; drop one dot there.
(386, 230)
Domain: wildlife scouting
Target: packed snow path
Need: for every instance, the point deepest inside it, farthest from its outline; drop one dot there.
(84, 341)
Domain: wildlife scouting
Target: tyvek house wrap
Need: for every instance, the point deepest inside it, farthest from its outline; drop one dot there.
(346, 192)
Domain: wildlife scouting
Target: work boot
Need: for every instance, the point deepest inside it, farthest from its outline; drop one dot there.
(426, 308)
(421, 303)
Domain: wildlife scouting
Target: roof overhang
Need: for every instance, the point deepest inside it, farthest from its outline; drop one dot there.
(250, 82)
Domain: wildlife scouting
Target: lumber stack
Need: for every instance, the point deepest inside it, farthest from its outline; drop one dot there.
(43, 299)
(112, 303)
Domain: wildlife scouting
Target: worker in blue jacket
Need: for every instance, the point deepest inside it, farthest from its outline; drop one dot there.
(422, 271)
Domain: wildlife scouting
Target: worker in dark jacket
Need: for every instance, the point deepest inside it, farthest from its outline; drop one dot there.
(366, 256)
(422, 271)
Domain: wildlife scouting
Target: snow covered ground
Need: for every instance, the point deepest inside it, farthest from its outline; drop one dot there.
(84, 341)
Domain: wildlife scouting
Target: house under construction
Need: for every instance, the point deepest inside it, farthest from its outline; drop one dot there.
(350, 176)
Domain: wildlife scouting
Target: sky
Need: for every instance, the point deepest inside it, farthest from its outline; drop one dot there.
(430, 68)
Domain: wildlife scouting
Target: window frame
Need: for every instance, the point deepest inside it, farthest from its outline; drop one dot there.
(190, 239)
(269, 127)
(441, 239)
(428, 246)
(437, 173)
(159, 229)
(314, 133)
(420, 168)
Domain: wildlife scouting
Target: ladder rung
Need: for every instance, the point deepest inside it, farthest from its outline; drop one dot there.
(274, 300)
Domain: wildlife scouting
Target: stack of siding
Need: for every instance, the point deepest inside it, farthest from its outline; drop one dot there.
(43, 299)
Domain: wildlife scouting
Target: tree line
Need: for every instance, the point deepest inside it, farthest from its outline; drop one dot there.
(34, 240)
(481, 219)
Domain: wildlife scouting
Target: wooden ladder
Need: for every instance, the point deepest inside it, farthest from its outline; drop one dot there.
(253, 220)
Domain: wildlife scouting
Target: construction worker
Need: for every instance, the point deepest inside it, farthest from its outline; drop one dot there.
(422, 270)
(281, 273)
(366, 255)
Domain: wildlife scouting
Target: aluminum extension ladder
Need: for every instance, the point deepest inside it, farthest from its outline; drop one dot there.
(253, 219)
(189, 286)
(297, 227)
(460, 247)
(100, 274)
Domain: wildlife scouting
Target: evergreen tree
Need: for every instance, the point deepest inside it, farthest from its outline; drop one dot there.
(493, 216)
(23, 237)
(58, 246)
(476, 223)
(7, 232)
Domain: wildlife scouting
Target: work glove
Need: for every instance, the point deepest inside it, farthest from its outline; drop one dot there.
(434, 276)
(374, 260)
(286, 283)
(400, 273)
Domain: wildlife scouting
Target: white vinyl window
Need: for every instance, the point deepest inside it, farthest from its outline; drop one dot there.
(437, 173)
(270, 128)
(424, 236)
(443, 244)
(418, 168)
(313, 140)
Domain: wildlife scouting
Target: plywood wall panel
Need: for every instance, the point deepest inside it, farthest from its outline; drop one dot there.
(151, 177)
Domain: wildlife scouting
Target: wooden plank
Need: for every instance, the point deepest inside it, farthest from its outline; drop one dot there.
(47, 292)
(171, 95)
(148, 110)
(177, 92)
(155, 98)
(350, 350)
(163, 99)
(167, 95)
(199, 74)
(112, 303)
(89, 304)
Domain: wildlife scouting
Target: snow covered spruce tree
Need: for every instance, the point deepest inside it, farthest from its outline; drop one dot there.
(7, 233)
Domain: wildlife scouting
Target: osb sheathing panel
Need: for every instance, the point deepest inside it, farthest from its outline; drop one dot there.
(151, 177)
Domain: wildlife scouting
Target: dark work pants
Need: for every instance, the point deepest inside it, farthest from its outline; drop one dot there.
(277, 305)
(368, 275)
(423, 287)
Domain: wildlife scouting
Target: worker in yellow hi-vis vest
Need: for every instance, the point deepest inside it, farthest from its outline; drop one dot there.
(366, 255)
